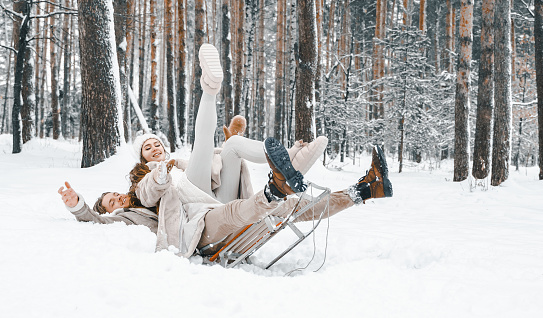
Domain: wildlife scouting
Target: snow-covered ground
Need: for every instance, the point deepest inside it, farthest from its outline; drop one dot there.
(436, 249)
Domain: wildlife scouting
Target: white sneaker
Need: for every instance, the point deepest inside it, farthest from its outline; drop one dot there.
(303, 156)
(212, 75)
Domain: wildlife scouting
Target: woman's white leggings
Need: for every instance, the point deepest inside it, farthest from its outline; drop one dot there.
(235, 148)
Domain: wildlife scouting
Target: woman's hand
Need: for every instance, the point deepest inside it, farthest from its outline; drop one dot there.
(163, 170)
(69, 197)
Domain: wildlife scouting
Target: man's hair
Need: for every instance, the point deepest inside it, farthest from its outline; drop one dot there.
(98, 207)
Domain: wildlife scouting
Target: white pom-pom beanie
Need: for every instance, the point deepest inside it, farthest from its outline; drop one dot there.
(138, 143)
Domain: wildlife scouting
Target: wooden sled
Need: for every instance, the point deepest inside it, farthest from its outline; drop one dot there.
(245, 243)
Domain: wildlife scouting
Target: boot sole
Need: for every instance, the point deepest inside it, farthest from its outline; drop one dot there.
(278, 156)
(383, 167)
(211, 61)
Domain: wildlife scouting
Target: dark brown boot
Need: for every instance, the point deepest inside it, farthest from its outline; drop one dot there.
(375, 184)
(284, 179)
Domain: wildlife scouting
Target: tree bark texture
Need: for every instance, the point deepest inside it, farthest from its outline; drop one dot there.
(181, 71)
(261, 77)
(100, 83)
(121, 10)
(170, 67)
(279, 68)
(142, 53)
(226, 63)
(306, 70)
(501, 146)
(153, 112)
(485, 97)
(24, 7)
(27, 109)
(199, 33)
(461, 105)
(538, 31)
(65, 109)
(55, 106)
(449, 46)
(238, 66)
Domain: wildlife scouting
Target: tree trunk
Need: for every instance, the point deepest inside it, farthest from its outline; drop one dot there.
(37, 74)
(100, 123)
(168, 7)
(55, 107)
(306, 70)
(121, 11)
(319, 120)
(538, 32)
(153, 113)
(461, 107)
(27, 109)
(65, 111)
(449, 48)
(239, 45)
(261, 77)
(199, 33)
(23, 7)
(501, 146)
(181, 71)
(226, 62)
(279, 68)
(422, 16)
(485, 98)
(142, 53)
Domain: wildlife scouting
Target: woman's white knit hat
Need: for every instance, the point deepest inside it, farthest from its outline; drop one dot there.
(138, 143)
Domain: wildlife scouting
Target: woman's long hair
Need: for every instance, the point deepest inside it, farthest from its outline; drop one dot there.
(136, 175)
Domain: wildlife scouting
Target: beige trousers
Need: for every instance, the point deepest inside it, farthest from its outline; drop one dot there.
(229, 219)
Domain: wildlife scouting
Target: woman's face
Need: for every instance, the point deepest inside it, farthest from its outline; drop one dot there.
(152, 150)
(113, 201)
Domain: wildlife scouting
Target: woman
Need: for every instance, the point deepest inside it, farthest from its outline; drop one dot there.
(189, 219)
(230, 177)
(190, 216)
(219, 173)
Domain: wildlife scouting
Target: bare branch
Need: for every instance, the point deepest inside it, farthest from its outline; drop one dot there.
(9, 48)
(41, 16)
(57, 5)
(11, 12)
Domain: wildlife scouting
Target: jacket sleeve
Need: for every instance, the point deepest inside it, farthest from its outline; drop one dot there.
(83, 213)
(149, 191)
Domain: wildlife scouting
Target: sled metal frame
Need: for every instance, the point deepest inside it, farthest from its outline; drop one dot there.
(254, 236)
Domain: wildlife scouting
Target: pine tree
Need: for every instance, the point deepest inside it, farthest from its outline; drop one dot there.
(101, 127)
(538, 31)
(462, 102)
(501, 145)
(306, 70)
(485, 98)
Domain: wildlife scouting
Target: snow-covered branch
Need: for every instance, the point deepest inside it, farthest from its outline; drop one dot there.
(9, 48)
(11, 12)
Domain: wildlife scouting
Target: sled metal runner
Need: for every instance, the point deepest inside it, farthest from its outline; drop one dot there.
(254, 236)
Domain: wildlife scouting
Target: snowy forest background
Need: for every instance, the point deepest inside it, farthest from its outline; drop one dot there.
(425, 78)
